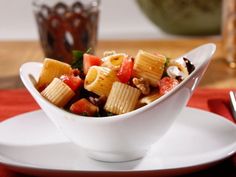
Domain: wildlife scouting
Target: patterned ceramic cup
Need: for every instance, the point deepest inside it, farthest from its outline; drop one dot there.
(66, 25)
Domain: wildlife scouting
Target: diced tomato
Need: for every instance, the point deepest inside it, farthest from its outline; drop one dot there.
(84, 107)
(90, 60)
(74, 82)
(126, 69)
(167, 84)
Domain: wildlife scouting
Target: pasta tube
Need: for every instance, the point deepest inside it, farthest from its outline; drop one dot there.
(58, 93)
(99, 80)
(114, 61)
(51, 69)
(149, 66)
(122, 98)
(150, 98)
(108, 52)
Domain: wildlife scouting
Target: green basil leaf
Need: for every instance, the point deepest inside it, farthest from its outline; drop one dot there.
(78, 59)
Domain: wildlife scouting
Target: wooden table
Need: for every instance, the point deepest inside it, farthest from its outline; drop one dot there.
(218, 75)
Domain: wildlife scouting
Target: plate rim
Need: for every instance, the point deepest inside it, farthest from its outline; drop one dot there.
(11, 163)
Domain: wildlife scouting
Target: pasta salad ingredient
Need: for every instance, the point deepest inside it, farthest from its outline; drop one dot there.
(142, 84)
(122, 99)
(90, 60)
(113, 60)
(51, 69)
(74, 82)
(167, 84)
(149, 66)
(84, 107)
(113, 84)
(99, 80)
(58, 93)
(125, 72)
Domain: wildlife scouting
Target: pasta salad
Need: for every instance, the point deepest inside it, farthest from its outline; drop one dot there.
(113, 84)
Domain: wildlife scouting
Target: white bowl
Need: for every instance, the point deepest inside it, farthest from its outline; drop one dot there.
(128, 136)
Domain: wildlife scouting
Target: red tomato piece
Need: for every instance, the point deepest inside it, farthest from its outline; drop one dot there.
(74, 82)
(167, 84)
(90, 60)
(126, 69)
(84, 107)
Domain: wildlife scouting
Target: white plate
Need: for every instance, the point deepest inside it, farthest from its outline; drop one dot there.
(31, 144)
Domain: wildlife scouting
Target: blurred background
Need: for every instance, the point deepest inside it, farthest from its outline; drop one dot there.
(118, 19)
(171, 27)
(121, 19)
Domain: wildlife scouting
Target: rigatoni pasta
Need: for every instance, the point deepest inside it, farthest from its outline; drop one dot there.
(113, 61)
(150, 98)
(122, 99)
(149, 66)
(58, 93)
(99, 80)
(51, 69)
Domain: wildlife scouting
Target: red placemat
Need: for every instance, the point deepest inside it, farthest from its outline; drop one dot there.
(14, 102)
(213, 100)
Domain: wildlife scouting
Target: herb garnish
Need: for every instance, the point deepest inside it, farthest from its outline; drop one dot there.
(167, 61)
(78, 59)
